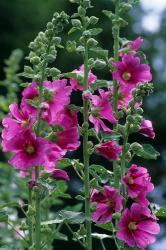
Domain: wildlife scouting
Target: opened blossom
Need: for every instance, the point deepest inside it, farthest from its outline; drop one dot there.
(107, 202)
(138, 227)
(56, 97)
(110, 150)
(66, 134)
(76, 85)
(137, 182)
(28, 150)
(17, 122)
(146, 129)
(101, 109)
(129, 72)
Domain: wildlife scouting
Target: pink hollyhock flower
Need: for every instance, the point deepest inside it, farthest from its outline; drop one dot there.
(59, 97)
(101, 108)
(66, 136)
(129, 72)
(107, 202)
(29, 150)
(18, 121)
(110, 150)
(31, 92)
(60, 174)
(137, 181)
(147, 129)
(77, 85)
(137, 227)
(136, 44)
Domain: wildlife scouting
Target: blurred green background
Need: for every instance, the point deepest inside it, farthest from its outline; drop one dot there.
(21, 20)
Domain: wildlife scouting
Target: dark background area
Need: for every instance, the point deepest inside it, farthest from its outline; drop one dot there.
(21, 20)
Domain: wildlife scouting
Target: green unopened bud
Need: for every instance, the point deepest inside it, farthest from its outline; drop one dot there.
(91, 62)
(57, 40)
(130, 119)
(81, 11)
(100, 64)
(124, 7)
(49, 33)
(136, 147)
(35, 60)
(134, 128)
(28, 69)
(54, 72)
(50, 58)
(50, 26)
(93, 20)
(116, 216)
(37, 77)
(32, 248)
(121, 129)
(139, 111)
(46, 230)
(92, 42)
(76, 23)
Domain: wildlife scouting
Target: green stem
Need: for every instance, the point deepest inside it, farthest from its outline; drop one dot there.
(71, 231)
(37, 197)
(115, 32)
(86, 154)
(102, 244)
(29, 219)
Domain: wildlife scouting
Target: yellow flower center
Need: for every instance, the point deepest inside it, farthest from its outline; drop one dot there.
(111, 203)
(36, 99)
(130, 180)
(132, 226)
(126, 76)
(30, 149)
(24, 124)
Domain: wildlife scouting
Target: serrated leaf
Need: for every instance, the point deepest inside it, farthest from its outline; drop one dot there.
(161, 212)
(148, 152)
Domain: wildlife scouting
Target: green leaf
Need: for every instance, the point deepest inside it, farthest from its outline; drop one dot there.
(108, 13)
(3, 216)
(148, 152)
(64, 163)
(100, 173)
(101, 236)
(161, 212)
(101, 84)
(108, 226)
(72, 30)
(60, 236)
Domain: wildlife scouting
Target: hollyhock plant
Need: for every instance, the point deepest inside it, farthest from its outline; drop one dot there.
(76, 85)
(107, 202)
(60, 174)
(137, 227)
(110, 150)
(29, 150)
(129, 72)
(146, 129)
(137, 181)
(101, 109)
(17, 121)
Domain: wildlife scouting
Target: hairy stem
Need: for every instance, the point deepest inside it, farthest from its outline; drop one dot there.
(30, 226)
(86, 154)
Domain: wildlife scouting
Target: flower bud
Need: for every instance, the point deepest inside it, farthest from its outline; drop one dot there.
(50, 26)
(136, 147)
(92, 42)
(100, 64)
(76, 23)
(81, 11)
(93, 20)
(35, 60)
(54, 72)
